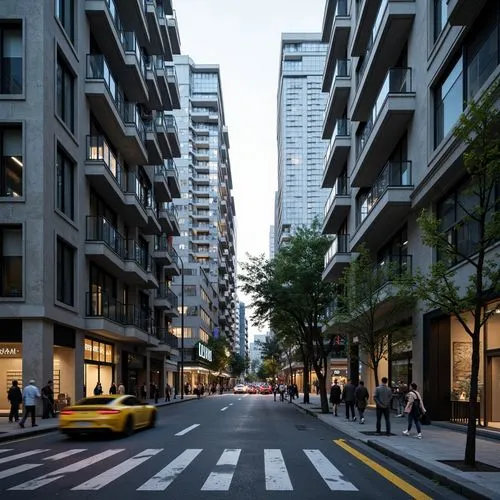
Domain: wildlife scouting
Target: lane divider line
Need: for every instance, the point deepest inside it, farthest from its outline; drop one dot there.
(415, 493)
(225, 408)
(187, 429)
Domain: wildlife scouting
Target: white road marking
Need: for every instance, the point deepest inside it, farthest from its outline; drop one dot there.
(38, 482)
(17, 470)
(7, 449)
(65, 454)
(239, 399)
(107, 477)
(330, 474)
(161, 480)
(225, 408)
(277, 478)
(187, 429)
(231, 404)
(5, 460)
(221, 480)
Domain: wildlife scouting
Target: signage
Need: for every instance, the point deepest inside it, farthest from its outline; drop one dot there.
(10, 351)
(204, 352)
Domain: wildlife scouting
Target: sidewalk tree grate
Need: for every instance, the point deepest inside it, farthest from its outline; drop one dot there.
(478, 467)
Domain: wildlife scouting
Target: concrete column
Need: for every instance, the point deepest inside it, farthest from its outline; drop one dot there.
(38, 353)
(148, 374)
(328, 373)
(163, 377)
(79, 366)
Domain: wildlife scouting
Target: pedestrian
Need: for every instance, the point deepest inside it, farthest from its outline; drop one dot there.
(15, 398)
(98, 389)
(48, 400)
(401, 392)
(361, 395)
(382, 397)
(112, 389)
(168, 392)
(349, 399)
(30, 395)
(335, 395)
(414, 409)
(282, 390)
(156, 393)
(121, 389)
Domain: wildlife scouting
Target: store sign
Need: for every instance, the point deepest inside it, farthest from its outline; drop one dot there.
(336, 372)
(10, 351)
(204, 352)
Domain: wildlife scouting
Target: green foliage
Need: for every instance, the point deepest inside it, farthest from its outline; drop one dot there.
(237, 364)
(267, 370)
(221, 354)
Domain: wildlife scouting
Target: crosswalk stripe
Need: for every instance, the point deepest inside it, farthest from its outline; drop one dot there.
(330, 474)
(161, 480)
(187, 429)
(221, 480)
(65, 454)
(17, 470)
(20, 455)
(96, 483)
(225, 408)
(5, 450)
(40, 481)
(277, 478)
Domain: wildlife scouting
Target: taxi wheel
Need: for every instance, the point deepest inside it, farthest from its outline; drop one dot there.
(128, 430)
(152, 420)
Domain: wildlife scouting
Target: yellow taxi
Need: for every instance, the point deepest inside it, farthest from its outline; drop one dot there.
(107, 413)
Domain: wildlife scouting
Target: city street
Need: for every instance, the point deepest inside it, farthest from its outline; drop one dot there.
(230, 446)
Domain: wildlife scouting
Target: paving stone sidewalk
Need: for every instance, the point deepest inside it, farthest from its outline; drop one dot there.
(425, 455)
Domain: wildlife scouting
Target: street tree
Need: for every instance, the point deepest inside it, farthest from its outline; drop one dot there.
(370, 309)
(237, 364)
(469, 241)
(221, 354)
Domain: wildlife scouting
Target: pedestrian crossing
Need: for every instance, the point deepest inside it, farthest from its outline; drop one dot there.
(275, 472)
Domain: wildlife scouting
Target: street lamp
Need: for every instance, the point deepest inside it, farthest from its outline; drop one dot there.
(182, 326)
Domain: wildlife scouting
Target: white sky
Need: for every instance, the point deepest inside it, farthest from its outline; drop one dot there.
(243, 37)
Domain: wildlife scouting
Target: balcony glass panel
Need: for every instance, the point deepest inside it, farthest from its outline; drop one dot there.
(342, 129)
(340, 244)
(99, 150)
(171, 123)
(131, 45)
(99, 229)
(340, 188)
(131, 117)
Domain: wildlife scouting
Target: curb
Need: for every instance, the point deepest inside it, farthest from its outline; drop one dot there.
(46, 430)
(454, 483)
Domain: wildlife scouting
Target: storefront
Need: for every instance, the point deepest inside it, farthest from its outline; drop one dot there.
(99, 365)
(11, 368)
(197, 367)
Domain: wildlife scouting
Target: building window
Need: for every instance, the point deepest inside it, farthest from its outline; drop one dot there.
(11, 261)
(440, 16)
(65, 15)
(65, 272)
(65, 173)
(65, 94)
(11, 157)
(11, 58)
(448, 101)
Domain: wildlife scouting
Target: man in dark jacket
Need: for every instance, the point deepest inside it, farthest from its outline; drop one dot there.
(348, 396)
(335, 394)
(361, 395)
(15, 398)
(48, 400)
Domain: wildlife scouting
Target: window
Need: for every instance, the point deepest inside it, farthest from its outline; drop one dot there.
(65, 14)
(11, 59)
(448, 102)
(65, 94)
(11, 261)
(65, 172)
(11, 158)
(65, 273)
(440, 16)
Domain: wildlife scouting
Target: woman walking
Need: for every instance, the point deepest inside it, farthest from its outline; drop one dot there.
(414, 408)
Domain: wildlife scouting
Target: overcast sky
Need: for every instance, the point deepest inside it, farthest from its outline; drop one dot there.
(243, 37)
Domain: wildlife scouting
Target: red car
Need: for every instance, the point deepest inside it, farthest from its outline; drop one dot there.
(265, 389)
(252, 389)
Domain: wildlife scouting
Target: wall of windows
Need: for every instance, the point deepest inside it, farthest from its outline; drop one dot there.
(11, 161)
(65, 284)
(65, 172)
(65, 94)
(11, 261)
(11, 58)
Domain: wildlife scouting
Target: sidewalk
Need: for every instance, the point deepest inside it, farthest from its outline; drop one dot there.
(11, 432)
(425, 455)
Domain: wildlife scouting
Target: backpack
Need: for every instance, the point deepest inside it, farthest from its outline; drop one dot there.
(416, 403)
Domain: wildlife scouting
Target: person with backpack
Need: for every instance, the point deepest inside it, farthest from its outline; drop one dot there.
(414, 409)
(335, 396)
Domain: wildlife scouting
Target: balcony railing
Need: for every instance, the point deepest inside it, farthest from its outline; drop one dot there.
(340, 188)
(131, 117)
(171, 123)
(161, 171)
(394, 174)
(342, 129)
(340, 244)
(98, 69)
(138, 254)
(99, 150)
(99, 304)
(135, 187)
(174, 255)
(99, 229)
(397, 81)
(173, 299)
(171, 168)
(161, 244)
(131, 45)
(393, 267)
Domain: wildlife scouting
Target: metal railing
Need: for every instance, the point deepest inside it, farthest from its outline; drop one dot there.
(171, 123)
(161, 244)
(340, 244)
(99, 150)
(131, 46)
(99, 229)
(171, 168)
(342, 129)
(138, 254)
(340, 188)
(131, 117)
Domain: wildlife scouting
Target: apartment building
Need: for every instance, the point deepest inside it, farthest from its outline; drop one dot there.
(88, 144)
(398, 75)
(301, 103)
(242, 331)
(207, 241)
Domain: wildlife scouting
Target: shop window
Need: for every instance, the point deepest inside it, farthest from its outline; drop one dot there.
(11, 157)
(65, 273)
(11, 261)
(11, 58)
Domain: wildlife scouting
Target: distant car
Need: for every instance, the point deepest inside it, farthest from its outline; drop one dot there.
(240, 389)
(111, 413)
(252, 389)
(265, 389)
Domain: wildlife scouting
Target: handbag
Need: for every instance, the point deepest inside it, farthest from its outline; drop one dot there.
(424, 419)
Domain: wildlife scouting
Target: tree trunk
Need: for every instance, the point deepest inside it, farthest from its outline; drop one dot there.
(321, 374)
(470, 445)
(306, 381)
(375, 373)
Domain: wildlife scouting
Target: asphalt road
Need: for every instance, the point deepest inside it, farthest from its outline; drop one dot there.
(221, 447)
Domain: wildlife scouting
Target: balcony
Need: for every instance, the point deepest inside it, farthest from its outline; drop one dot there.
(153, 13)
(155, 154)
(337, 153)
(153, 225)
(162, 250)
(167, 216)
(386, 206)
(337, 206)
(389, 119)
(339, 94)
(173, 32)
(390, 32)
(162, 297)
(173, 135)
(338, 42)
(162, 192)
(135, 210)
(167, 44)
(367, 11)
(134, 74)
(173, 269)
(173, 179)
(337, 258)
(133, 15)
(167, 339)
(138, 266)
(463, 12)
(154, 94)
(161, 75)
(134, 143)
(173, 86)
(161, 131)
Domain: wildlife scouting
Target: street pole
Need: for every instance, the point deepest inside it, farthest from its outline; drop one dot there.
(182, 327)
